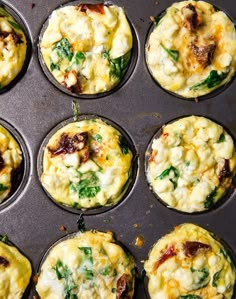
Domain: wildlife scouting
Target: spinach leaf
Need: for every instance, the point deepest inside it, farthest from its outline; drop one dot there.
(88, 273)
(14, 25)
(167, 172)
(63, 272)
(200, 277)
(105, 271)
(79, 57)
(216, 277)
(87, 252)
(211, 81)
(222, 138)
(54, 66)
(4, 239)
(210, 199)
(97, 138)
(156, 21)
(113, 290)
(190, 297)
(63, 49)
(174, 54)
(87, 187)
(118, 66)
(3, 12)
(123, 145)
(3, 187)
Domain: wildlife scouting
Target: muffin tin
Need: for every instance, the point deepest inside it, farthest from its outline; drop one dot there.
(140, 107)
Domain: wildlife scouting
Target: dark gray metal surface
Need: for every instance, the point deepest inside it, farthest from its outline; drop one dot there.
(34, 106)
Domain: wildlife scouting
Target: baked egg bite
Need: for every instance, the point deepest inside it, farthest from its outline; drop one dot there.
(87, 164)
(15, 271)
(87, 47)
(13, 48)
(96, 267)
(189, 263)
(192, 49)
(191, 164)
(10, 161)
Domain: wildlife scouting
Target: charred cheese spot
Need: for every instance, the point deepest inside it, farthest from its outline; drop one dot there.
(12, 48)
(87, 164)
(191, 164)
(87, 48)
(10, 161)
(15, 272)
(200, 267)
(96, 267)
(192, 49)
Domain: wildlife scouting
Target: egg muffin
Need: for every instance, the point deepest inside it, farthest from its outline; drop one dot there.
(192, 49)
(191, 164)
(10, 161)
(87, 48)
(15, 271)
(13, 47)
(87, 164)
(189, 263)
(96, 267)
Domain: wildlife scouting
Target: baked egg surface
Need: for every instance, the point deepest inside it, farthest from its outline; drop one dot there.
(88, 265)
(192, 49)
(191, 164)
(189, 263)
(87, 48)
(87, 164)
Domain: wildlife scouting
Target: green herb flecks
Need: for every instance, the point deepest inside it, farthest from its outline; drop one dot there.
(221, 138)
(113, 290)
(14, 25)
(79, 57)
(210, 199)
(174, 54)
(76, 110)
(3, 187)
(63, 272)
(118, 66)
(97, 138)
(63, 49)
(54, 66)
(211, 81)
(190, 297)
(215, 279)
(88, 187)
(4, 239)
(105, 271)
(123, 145)
(88, 273)
(87, 253)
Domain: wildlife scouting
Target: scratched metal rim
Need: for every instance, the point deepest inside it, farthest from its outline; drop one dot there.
(21, 21)
(128, 187)
(73, 235)
(21, 179)
(222, 242)
(212, 94)
(225, 197)
(120, 84)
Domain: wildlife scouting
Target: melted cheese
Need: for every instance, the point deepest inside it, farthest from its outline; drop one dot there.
(10, 160)
(193, 151)
(182, 75)
(108, 166)
(12, 53)
(15, 274)
(208, 273)
(95, 263)
(90, 34)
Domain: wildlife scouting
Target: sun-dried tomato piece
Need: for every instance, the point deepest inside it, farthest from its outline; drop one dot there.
(225, 171)
(4, 34)
(122, 288)
(4, 262)
(1, 162)
(69, 145)
(99, 8)
(17, 38)
(192, 247)
(170, 252)
(191, 19)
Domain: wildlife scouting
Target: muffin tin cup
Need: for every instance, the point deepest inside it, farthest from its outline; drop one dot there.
(20, 179)
(124, 80)
(128, 187)
(212, 94)
(229, 192)
(20, 20)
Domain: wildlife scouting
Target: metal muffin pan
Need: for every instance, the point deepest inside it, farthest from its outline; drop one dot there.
(140, 107)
